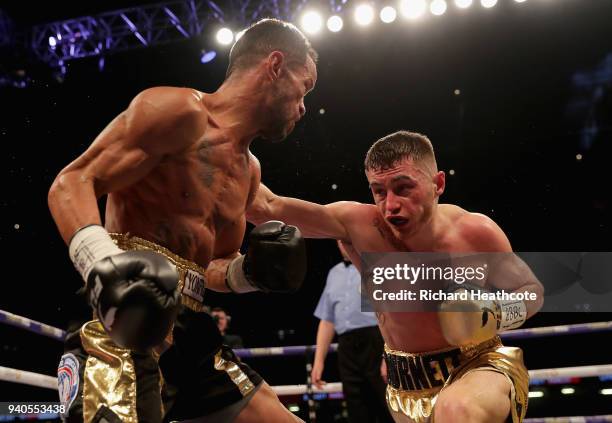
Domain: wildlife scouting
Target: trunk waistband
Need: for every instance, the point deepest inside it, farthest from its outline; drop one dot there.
(191, 283)
(428, 370)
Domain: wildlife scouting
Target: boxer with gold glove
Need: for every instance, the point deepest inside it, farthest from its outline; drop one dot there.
(472, 320)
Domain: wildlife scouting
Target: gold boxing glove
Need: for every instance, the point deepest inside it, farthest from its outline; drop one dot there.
(471, 315)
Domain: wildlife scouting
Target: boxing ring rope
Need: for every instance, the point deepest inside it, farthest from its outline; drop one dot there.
(529, 333)
(20, 376)
(31, 325)
(27, 378)
(50, 382)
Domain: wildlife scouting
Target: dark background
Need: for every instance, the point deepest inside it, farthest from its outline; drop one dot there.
(535, 90)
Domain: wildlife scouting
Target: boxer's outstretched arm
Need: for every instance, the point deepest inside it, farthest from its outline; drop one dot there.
(314, 220)
(159, 121)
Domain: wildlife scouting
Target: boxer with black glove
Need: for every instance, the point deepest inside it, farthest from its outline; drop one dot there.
(274, 262)
(133, 293)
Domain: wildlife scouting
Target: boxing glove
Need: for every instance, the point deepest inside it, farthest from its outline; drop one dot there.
(133, 293)
(470, 321)
(275, 261)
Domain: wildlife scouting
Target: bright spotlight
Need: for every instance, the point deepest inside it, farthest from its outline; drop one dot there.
(462, 4)
(535, 394)
(438, 7)
(312, 22)
(335, 23)
(519, 1)
(364, 14)
(225, 36)
(488, 3)
(388, 14)
(567, 391)
(413, 8)
(52, 41)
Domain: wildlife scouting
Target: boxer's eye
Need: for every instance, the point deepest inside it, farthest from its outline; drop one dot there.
(403, 190)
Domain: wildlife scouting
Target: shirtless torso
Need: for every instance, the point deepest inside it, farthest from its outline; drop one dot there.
(177, 172)
(192, 202)
(406, 217)
(408, 331)
(184, 184)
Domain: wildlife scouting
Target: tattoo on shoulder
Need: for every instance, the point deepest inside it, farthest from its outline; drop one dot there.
(207, 170)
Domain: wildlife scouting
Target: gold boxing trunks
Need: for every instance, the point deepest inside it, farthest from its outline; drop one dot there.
(415, 380)
(114, 384)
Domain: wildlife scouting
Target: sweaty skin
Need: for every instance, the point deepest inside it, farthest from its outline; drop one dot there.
(177, 168)
(406, 196)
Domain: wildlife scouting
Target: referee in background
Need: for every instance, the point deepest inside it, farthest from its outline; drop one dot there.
(360, 345)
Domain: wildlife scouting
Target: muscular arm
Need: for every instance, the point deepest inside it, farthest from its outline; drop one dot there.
(507, 271)
(314, 220)
(158, 122)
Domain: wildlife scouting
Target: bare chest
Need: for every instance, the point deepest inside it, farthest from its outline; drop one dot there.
(193, 203)
(212, 182)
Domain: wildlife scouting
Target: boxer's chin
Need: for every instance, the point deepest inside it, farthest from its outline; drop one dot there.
(276, 136)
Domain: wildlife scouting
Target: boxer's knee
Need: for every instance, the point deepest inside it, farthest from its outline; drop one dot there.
(471, 400)
(452, 408)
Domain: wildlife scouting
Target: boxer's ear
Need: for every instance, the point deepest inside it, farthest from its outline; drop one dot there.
(274, 65)
(439, 180)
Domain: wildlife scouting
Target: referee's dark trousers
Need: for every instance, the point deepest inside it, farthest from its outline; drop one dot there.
(359, 357)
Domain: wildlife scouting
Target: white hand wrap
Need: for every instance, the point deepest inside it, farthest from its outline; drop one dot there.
(90, 245)
(235, 279)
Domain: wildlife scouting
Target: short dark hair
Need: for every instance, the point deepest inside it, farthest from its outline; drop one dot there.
(219, 309)
(392, 149)
(266, 36)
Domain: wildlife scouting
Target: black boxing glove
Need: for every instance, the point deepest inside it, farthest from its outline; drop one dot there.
(133, 293)
(274, 262)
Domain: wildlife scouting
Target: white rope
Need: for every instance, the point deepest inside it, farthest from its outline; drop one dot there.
(35, 379)
(580, 371)
(302, 389)
(27, 378)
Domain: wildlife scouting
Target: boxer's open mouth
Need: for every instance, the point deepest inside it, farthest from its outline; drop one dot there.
(397, 221)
